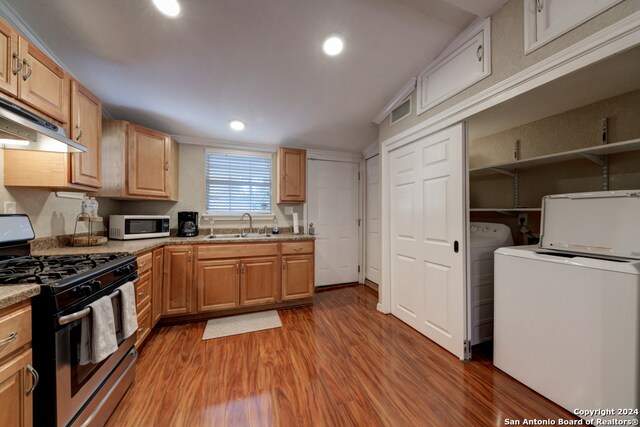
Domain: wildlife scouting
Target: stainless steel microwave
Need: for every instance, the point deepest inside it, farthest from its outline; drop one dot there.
(130, 227)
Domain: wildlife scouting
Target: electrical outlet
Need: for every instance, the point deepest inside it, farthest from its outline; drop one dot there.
(288, 210)
(523, 219)
(9, 207)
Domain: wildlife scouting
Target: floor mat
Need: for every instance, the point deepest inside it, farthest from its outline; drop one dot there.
(242, 324)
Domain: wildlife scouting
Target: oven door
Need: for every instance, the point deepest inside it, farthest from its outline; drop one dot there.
(76, 383)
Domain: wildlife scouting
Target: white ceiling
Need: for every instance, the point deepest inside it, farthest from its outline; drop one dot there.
(257, 61)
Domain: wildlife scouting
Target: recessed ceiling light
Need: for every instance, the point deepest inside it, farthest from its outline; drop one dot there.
(236, 125)
(333, 45)
(168, 7)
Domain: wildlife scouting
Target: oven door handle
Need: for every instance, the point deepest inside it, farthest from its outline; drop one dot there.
(85, 311)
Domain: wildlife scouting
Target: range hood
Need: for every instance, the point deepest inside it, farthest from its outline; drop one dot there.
(22, 130)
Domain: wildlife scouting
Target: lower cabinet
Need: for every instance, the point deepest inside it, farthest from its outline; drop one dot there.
(258, 281)
(297, 277)
(17, 377)
(177, 280)
(185, 280)
(217, 285)
(156, 285)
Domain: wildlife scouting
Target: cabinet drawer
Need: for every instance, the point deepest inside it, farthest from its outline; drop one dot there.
(237, 250)
(145, 262)
(143, 291)
(15, 328)
(144, 326)
(294, 248)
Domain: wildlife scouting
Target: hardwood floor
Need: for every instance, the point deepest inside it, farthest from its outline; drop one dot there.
(338, 363)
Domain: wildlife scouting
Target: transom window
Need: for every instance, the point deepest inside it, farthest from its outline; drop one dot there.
(238, 182)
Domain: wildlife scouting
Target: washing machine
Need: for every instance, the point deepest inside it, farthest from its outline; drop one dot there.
(485, 238)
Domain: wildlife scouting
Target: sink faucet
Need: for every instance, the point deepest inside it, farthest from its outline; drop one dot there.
(250, 221)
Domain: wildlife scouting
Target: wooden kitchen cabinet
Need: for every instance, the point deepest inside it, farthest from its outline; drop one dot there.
(86, 128)
(218, 285)
(42, 83)
(144, 296)
(9, 59)
(298, 279)
(64, 171)
(259, 281)
(229, 276)
(292, 175)
(177, 284)
(17, 376)
(138, 162)
(156, 293)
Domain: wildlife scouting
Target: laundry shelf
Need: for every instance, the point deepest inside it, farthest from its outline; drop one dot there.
(591, 153)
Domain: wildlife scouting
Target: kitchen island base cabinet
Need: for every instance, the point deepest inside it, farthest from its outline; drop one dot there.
(177, 283)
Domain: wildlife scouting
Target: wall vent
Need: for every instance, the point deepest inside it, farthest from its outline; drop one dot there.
(401, 111)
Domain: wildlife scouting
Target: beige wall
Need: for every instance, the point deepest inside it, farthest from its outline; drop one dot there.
(192, 194)
(570, 130)
(507, 54)
(50, 215)
(53, 216)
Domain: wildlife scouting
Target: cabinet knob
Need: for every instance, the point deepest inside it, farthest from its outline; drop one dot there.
(36, 378)
(539, 5)
(166, 165)
(480, 52)
(80, 134)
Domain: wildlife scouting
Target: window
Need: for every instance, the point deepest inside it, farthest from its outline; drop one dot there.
(238, 182)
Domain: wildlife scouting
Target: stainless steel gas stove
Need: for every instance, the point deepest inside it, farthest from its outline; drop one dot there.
(69, 393)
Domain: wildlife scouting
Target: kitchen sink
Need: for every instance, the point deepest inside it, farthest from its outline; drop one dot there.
(238, 236)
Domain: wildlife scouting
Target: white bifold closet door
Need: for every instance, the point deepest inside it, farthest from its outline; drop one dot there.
(427, 225)
(332, 203)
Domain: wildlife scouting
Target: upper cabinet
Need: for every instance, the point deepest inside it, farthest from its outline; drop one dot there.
(292, 173)
(466, 61)
(86, 128)
(138, 163)
(10, 63)
(30, 76)
(42, 83)
(546, 20)
(77, 171)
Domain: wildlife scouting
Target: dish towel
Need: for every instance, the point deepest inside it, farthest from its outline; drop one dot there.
(128, 309)
(85, 340)
(103, 330)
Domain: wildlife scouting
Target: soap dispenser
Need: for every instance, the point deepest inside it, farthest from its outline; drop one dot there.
(275, 229)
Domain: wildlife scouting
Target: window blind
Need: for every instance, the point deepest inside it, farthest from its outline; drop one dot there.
(237, 184)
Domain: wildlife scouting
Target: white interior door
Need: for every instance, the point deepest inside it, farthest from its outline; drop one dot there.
(427, 224)
(333, 209)
(374, 244)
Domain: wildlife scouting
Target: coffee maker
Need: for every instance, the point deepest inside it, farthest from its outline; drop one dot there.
(187, 224)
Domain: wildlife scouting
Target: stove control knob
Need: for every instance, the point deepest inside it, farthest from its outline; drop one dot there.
(95, 285)
(86, 290)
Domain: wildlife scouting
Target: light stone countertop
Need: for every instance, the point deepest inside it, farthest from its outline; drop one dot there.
(13, 294)
(143, 245)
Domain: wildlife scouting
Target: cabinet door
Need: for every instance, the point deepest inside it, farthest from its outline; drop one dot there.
(16, 400)
(546, 20)
(86, 128)
(468, 62)
(42, 83)
(149, 156)
(297, 277)
(156, 296)
(259, 281)
(9, 59)
(292, 181)
(218, 284)
(177, 280)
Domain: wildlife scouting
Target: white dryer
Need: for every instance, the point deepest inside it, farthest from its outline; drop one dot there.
(485, 238)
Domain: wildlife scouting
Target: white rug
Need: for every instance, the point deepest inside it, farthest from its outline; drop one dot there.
(235, 325)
